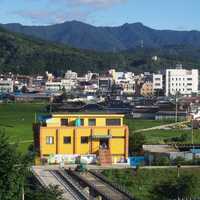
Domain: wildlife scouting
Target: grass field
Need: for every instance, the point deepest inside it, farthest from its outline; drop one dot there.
(141, 184)
(16, 120)
(158, 136)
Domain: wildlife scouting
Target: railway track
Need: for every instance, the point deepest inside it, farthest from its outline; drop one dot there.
(81, 185)
(69, 185)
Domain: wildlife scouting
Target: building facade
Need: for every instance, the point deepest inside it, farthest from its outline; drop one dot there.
(53, 86)
(181, 81)
(157, 82)
(6, 86)
(72, 134)
(147, 89)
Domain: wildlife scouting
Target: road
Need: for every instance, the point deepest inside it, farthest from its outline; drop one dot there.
(160, 127)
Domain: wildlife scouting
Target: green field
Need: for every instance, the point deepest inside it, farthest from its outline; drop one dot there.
(158, 136)
(141, 184)
(16, 121)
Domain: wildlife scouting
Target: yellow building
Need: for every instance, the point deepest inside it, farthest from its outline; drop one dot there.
(69, 134)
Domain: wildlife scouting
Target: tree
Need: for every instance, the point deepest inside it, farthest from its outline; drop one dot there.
(24, 89)
(11, 170)
(182, 188)
(14, 175)
(135, 143)
(42, 193)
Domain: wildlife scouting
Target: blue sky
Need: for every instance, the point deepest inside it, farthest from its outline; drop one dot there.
(159, 14)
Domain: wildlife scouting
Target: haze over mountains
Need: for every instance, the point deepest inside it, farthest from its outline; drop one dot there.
(125, 37)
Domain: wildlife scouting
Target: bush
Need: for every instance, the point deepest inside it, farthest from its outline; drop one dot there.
(162, 161)
(182, 138)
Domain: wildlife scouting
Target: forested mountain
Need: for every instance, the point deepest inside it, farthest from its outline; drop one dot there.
(27, 55)
(125, 37)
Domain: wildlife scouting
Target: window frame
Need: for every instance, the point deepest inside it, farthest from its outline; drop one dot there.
(112, 120)
(94, 120)
(49, 140)
(67, 137)
(65, 124)
(86, 138)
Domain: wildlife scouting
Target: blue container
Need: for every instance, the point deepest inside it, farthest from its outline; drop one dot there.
(136, 160)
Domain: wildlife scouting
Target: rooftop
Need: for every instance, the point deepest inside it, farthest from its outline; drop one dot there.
(85, 115)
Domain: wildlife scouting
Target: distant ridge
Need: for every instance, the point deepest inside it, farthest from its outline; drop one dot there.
(128, 36)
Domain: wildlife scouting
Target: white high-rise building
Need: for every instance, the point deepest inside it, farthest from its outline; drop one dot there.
(181, 81)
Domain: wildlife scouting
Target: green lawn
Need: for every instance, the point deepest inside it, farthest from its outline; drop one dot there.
(141, 184)
(16, 120)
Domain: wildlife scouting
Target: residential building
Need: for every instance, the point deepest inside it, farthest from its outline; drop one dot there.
(6, 85)
(68, 84)
(105, 84)
(147, 89)
(83, 134)
(157, 82)
(53, 86)
(181, 81)
(70, 75)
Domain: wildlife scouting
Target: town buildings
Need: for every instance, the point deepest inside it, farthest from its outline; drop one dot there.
(114, 84)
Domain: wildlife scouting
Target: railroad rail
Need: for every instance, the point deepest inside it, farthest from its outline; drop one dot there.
(100, 186)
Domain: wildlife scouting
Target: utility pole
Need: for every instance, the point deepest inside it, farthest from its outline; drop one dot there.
(22, 191)
(176, 117)
(192, 135)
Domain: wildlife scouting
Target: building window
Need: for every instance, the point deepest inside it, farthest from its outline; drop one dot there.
(64, 122)
(189, 79)
(66, 140)
(113, 122)
(189, 84)
(91, 122)
(84, 140)
(82, 122)
(49, 140)
(79, 122)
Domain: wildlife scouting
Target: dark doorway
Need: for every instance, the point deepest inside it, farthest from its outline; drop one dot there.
(104, 143)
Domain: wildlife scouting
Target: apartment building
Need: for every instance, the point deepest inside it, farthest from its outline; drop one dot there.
(181, 81)
(6, 85)
(84, 134)
(53, 86)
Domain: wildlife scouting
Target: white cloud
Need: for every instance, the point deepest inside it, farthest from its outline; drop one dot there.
(52, 17)
(93, 3)
(82, 10)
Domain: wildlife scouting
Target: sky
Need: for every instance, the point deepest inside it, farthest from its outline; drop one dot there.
(158, 14)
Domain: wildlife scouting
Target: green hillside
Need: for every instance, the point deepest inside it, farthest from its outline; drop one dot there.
(26, 55)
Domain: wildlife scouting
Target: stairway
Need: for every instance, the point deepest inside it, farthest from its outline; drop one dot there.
(105, 157)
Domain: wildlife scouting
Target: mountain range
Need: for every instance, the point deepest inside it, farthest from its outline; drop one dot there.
(114, 39)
